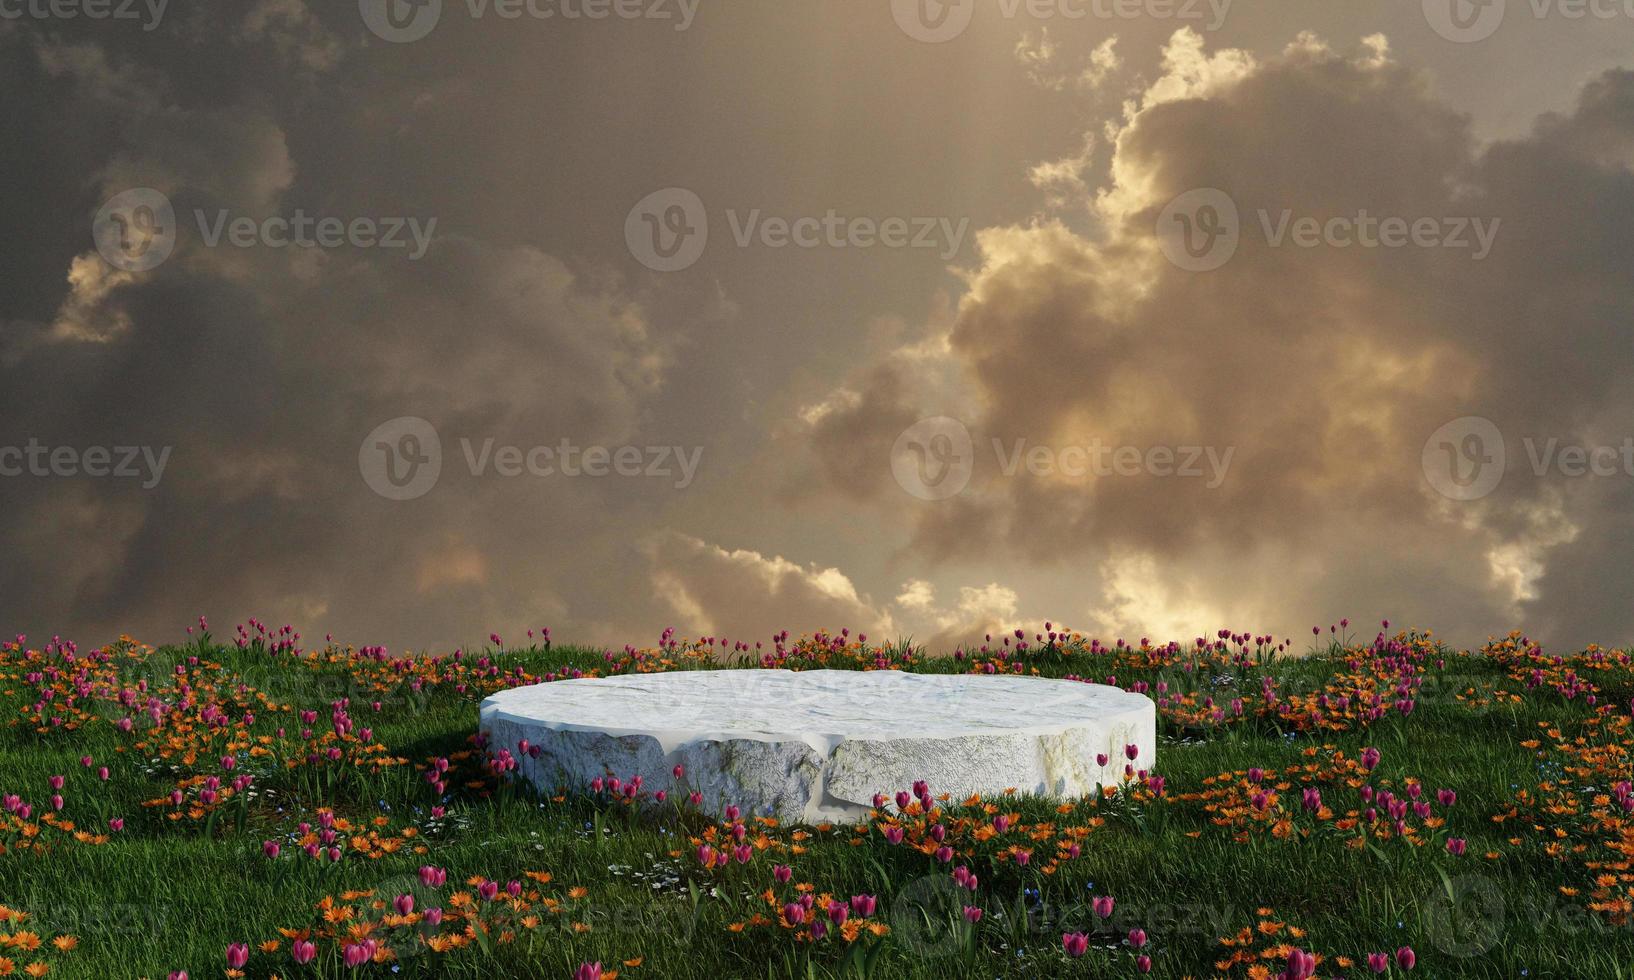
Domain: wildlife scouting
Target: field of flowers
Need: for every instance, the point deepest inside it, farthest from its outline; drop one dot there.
(267, 807)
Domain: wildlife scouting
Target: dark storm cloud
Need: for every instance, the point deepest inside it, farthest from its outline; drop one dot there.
(513, 152)
(1326, 368)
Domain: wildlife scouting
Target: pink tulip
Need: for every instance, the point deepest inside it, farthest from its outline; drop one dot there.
(1143, 963)
(1405, 957)
(432, 877)
(782, 873)
(433, 917)
(1075, 944)
(302, 951)
(1103, 906)
(1456, 845)
(588, 971)
(1137, 938)
(357, 954)
(795, 913)
(238, 954)
(864, 905)
(1378, 962)
(404, 904)
(973, 914)
(1301, 965)
(1370, 758)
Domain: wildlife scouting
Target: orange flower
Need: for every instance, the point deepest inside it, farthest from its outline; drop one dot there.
(65, 943)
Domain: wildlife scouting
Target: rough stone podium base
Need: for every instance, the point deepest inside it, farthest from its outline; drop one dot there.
(808, 746)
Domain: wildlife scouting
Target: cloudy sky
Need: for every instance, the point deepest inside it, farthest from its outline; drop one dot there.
(413, 321)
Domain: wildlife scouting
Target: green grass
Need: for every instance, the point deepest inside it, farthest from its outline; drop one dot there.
(170, 894)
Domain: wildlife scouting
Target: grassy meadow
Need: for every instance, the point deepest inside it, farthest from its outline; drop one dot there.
(1376, 805)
